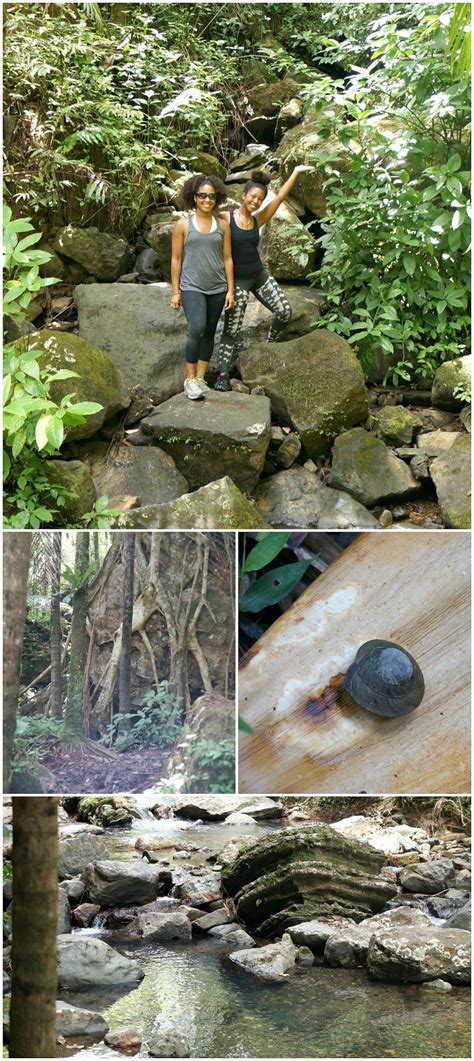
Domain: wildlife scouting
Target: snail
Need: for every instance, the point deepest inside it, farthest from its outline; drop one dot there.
(385, 679)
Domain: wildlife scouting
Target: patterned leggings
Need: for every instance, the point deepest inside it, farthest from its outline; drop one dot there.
(272, 297)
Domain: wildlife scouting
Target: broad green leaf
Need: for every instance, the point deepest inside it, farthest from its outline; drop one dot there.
(7, 386)
(244, 726)
(86, 408)
(409, 263)
(6, 465)
(18, 442)
(270, 588)
(265, 551)
(28, 241)
(41, 431)
(101, 503)
(55, 432)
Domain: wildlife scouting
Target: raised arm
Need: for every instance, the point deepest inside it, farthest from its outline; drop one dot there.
(177, 248)
(267, 212)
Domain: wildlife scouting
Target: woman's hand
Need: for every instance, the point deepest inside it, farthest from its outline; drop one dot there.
(229, 300)
(176, 301)
(303, 169)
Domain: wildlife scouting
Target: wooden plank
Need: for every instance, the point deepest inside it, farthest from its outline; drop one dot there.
(413, 589)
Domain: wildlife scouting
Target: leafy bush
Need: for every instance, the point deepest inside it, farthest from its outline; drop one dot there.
(210, 766)
(33, 736)
(158, 722)
(21, 265)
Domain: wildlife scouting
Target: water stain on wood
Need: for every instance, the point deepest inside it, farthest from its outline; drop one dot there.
(244, 662)
(332, 699)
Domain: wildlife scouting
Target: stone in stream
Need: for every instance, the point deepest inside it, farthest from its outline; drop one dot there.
(217, 808)
(169, 1044)
(461, 919)
(85, 961)
(71, 1021)
(85, 913)
(444, 906)
(314, 934)
(226, 434)
(219, 504)
(102, 254)
(111, 882)
(414, 955)
(315, 383)
(216, 917)
(143, 471)
(448, 377)
(152, 842)
(64, 912)
(232, 849)
(451, 475)
(198, 891)
(427, 877)
(363, 466)
(78, 850)
(268, 963)
(348, 947)
(300, 874)
(98, 380)
(156, 925)
(74, 889)
(239, 818)
(305, 956)
(127, 1040)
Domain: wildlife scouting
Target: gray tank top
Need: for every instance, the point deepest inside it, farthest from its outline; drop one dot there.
(203, 261)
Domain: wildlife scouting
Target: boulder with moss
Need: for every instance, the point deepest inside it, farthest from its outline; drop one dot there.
(451, 474)
(219, 504)
(364, 467)
(451, 383)
(398, 425)
(73, 478)
(146, 472)
(288, 250)
(300, 874)
(103, 255)
(315, 384)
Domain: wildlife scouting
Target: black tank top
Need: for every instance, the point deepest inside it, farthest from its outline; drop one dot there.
(247, 260)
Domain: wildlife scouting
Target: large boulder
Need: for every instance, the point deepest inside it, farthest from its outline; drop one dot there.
(219, 504)
(71, 1021)
(301, 874)
(111, 883)
(451, 475)
(296, 498)
(450, 377)
(349, 946)
(101, 254)
(98, 379)
(85, 962)
(75, 478)
(315, 383)
(146, 472)
(305, 311)
(428, 878)
(226, 434)
(288, 250)
(198, 891)
(264, 103)
(364, 467)
(300, 145)
(217, 808)
(78, 850)
(390, 840)
(415, 955)
(137, 329)
(268, 963)
(461, 918)
(154, 925)
(315, 934)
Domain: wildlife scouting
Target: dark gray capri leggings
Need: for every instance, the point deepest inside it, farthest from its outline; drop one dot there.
(202, 314)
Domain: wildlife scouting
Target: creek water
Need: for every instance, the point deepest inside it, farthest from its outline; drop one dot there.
(315, 1012)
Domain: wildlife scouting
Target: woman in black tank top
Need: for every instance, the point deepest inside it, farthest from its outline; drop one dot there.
(249, 271)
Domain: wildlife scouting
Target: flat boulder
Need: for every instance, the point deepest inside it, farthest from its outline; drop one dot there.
(267, 963)
(137, 329)
(153, 925)
(111, 883)
(217, 808)
(315, 934)
(199, 891)
(315, 384)
(226, 434)
(85, 962)
(364, 467)
(218, 505)
(72, 1021)
(103, 255)
(419, 954)
(451, 475)
(348, 947)
(450, 378)
(340, 511)
(146, 472)
(98, 380)
(389, 839)
(428, 878)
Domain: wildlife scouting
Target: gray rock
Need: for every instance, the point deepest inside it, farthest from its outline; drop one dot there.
(420, 467)
(291, 498)
(85, 961)
(145, 471)
(71, 1021)
(127, 1040)
(287, 453)
(289, 115)
(140, 333)
(427, 878)
(315, 383)
(314, 934)
(435, 443)
(226, 434)
(239, 818)
(199, 891)
(74, 889)
(216, 917)
(415, 955)
(216, 808)
(451, 475)
(348, 947)
(449, 376)
(157, 925)
(305, 311)
(76, 852)
(218, 505)
(111, 883)
(398, 425)
(64, 913)
(169, 1044)
(340, 511)
(148, 264)
(461, 919)
(160, 236)
(438, 986)
(103, 255)
(267, 963)
(277, 245)
(364, 467)
(75, 477)
(232, 849)
(239, 940)
(84, 914)
(305, 956)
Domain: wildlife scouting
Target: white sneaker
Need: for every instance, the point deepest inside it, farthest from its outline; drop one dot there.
(201, 382)
(192, 389)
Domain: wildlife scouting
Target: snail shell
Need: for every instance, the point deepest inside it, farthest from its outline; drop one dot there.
(385, 679)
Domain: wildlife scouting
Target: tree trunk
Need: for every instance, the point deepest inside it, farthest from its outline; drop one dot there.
(16, 559)
(73, 718)
(56, 699)
(127, 618)
(35, 912)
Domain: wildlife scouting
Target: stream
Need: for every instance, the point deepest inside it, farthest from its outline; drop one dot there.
(315, 1012)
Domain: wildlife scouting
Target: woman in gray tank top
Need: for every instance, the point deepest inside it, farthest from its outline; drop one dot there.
(202, 274)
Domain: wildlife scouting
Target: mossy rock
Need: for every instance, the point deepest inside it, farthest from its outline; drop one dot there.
(98, 379)
(451, 474)
(75, 477)
(364, 467)
(103, 810)
(217, 506)
(105, 256)
(398, 425)
(203, 162)
(267, 99)
(448, 377)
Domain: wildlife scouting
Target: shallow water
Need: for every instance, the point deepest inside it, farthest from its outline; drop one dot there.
(315, 1012)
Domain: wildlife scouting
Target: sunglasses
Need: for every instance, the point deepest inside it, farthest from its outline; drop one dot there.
(205, 195)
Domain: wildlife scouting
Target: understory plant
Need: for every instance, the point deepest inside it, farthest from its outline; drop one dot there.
(157, 722)
(33, 736)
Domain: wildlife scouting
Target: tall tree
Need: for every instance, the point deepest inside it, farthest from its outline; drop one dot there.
(16, 559)
(56, 698)
(34, 926)
(73, 717)
(127, 617)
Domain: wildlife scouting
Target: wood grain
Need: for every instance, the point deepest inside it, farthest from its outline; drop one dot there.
(410, 588)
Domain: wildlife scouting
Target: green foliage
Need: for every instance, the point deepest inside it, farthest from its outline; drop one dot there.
(32, 498)
(265, 551)
(158, 721)
(74, 578)
(101, 516)
(33, 737)
(21, 265)
(273, 586)
(244, 726)
(210, 766)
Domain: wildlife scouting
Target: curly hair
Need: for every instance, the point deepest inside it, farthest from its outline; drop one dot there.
(259, 179)
(195, 183)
